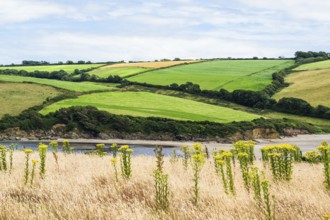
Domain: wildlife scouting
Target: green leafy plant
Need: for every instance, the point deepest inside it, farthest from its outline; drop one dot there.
(281, 159)
(27, 152)
(34, 164)
(161, 181)
(297, 155)
(3, 154)
(66, 147)
(255, 183)
(186, 156)
(244, 161)
(54, 146)
(114, 150)
(312, 157)
(219, 167)
(266, 196)
(114, 164)
(42, 148)
(324, 150)
(245, 147)
(174, 157)
(12, 147)
(125, 161)
(198, 160)
(100, 150)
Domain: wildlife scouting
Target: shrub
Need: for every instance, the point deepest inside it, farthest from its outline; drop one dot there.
(125, 161)
(198, 160)
(324, 150)
(281, 160)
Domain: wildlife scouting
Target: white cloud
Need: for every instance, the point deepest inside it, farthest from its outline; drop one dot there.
(152, 30)
(16, 11)
(96, 47)
(316, 10)
(12, 11)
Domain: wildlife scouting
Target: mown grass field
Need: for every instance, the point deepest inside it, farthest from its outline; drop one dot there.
(159, 64)
(16, 97)
(84, 187)
(120, 71)
(315, 66)
(149, 104)
(128, 69)
(312, 86)
(73, 86)
(49, 68)
(214, 75)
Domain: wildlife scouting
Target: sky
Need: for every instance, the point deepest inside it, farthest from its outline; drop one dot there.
(113, 30)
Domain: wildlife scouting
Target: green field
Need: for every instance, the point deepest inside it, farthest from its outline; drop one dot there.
(315, 66)
(73, 86)
(16, 97)
(149, 104)
(214, 75)
(50, 68)
(321, 123)
(312, 86)
(120, 71)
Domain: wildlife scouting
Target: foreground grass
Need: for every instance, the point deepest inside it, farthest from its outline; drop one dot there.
(312, 86)
(84, 187)
(149, 104)
(16, 97)
(214, 75)
(51, 68)
(73, 86)
(315, 66)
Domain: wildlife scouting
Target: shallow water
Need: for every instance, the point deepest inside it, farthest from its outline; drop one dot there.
(147, 150)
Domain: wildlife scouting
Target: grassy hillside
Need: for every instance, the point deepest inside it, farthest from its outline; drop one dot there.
(50, 68)
(148, 104)
(16, 97)
(214, 75)
(84, 187)
(314, 66)
(73, 86)
(312, 86)
(120, 71)
(159, 64)
(128, 69)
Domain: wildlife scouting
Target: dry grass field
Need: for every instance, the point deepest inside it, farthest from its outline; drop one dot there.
(312, 86)
(84, 187)
(159, 64)
(16, 97)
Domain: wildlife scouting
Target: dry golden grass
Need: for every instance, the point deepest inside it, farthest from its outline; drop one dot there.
(159, 64)
(84, 188)
(312, 86)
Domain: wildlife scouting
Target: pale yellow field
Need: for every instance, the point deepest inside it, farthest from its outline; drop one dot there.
(83, 187)
(150, 64)
(312, 86)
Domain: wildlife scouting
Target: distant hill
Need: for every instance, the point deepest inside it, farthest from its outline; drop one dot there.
(311, 83)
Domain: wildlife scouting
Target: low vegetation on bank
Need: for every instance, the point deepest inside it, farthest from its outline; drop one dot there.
(91, 121)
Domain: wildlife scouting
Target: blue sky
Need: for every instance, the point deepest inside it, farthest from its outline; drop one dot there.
(104, 30)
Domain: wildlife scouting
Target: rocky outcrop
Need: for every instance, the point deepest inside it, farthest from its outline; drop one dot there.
(294, 131)
(59, 131)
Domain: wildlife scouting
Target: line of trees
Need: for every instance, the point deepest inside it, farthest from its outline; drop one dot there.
(93, 121)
